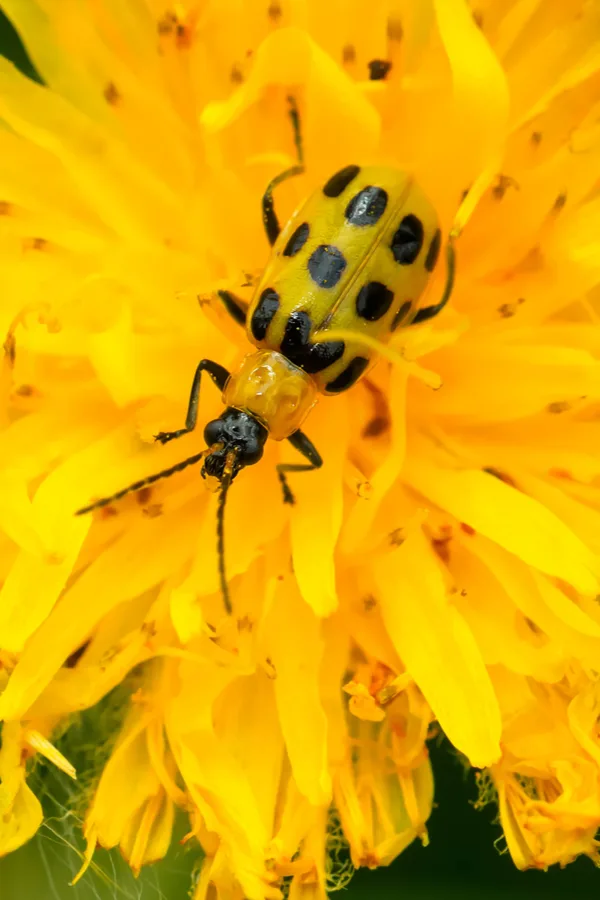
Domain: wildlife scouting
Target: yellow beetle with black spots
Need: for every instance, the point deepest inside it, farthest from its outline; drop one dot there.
(355, 257)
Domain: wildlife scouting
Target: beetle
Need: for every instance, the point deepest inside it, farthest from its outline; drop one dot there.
(354, 258)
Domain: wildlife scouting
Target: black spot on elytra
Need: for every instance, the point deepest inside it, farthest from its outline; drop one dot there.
(320, 356)
(348, 376)
(340, 181)
(401, 314)
(296, 334)
(262, 316)
(366, 207)
(326, 265)
(408, 240)
(434, 251)
(297, 240)
(378, 69)
(373, 301)
(310, 357)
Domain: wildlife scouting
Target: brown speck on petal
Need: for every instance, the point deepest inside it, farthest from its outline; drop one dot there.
(395, 31)
(111, 94)
(376, 426)
(153, 510)
(558, 406)
(72, 660)
(557, 472)
(25, 390)
(532, 625)
(380, 421)
(348, 54)
(507, 310)
(560, 202)
(502, 185)
(167, 24)
(143, 496)
(501, 476)
(35, 243)
(274, 11)
(183, 36)
(10, 348)
(379, 69)
(441, 547)
(397, 537)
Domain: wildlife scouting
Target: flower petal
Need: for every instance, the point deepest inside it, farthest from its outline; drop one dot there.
(139, 560)
(438, 649)
(295, 647)
(510, 518)
(20, 810)
(314, 537)
(480, 102)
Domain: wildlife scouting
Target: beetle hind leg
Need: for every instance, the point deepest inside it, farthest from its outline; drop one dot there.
(270, 220)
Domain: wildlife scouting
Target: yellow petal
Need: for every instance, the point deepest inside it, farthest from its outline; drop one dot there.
(214, 777)
(105, 172)
(128, 778)
(314, 537)
(513, 520)
(20, 810)
(46, 748)
(40, 579)
(480, 100)
(124, 571)
(359, 522)
(290, 57)
(148, 835)
(438, 650)
(295, 648)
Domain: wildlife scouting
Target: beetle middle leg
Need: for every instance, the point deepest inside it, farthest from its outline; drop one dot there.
(306, 447)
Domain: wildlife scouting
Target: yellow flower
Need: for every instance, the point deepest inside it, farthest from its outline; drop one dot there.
(442, 566)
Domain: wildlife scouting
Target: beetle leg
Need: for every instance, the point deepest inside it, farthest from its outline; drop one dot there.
(306, 447)
(219, 375)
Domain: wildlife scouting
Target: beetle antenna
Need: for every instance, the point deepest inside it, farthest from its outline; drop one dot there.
(225, 482)
(137, 485)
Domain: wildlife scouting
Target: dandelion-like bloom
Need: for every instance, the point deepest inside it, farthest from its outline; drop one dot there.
(443, 564)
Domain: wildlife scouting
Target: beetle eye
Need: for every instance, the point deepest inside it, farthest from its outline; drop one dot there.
(250, 453)
(213, 433)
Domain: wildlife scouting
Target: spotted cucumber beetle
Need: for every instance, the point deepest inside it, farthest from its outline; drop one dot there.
(353, 259)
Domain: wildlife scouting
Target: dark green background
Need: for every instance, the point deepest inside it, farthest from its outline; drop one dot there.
(461, 861)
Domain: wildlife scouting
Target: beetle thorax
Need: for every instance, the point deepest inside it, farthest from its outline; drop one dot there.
(273, 389)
